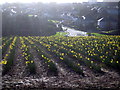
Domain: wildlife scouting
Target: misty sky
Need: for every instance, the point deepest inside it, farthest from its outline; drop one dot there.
(46, 1)
(57, 1)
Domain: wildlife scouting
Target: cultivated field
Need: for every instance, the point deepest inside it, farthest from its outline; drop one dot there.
(61, 62)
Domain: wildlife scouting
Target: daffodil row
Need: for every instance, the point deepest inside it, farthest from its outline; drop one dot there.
(0, 45)
(61, 54)
(45, 58)
(9, 57)
(102, 49)
(62, 51)
(28, 57)
(5, 45)
(4, 39)
(75, 67)
(96, 48)
(10, 47)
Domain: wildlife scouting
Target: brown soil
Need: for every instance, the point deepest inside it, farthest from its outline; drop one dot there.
(19, 79)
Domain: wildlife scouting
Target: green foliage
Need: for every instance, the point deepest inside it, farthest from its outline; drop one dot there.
(89, 34)
(73, 66)
(10, 59)
(4, 49)
(97, 34)
(28, 57)
(9, 64)
(54, 21)
(111, 31)
(50, 65)
(60, 34)
(31, 66)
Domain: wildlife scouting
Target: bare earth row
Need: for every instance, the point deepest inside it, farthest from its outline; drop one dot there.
(64, 76)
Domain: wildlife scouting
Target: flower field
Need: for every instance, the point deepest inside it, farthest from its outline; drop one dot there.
(77, 61)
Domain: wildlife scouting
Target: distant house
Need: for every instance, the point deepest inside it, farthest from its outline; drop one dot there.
(104, 23)
(109, 19)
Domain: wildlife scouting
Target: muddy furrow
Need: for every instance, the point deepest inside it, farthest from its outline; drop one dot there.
(40, 69)
(63, 71)
(19, 68)
(90, 78)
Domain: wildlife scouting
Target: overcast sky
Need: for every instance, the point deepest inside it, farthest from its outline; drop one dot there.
(45, 1)
(57, 1)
